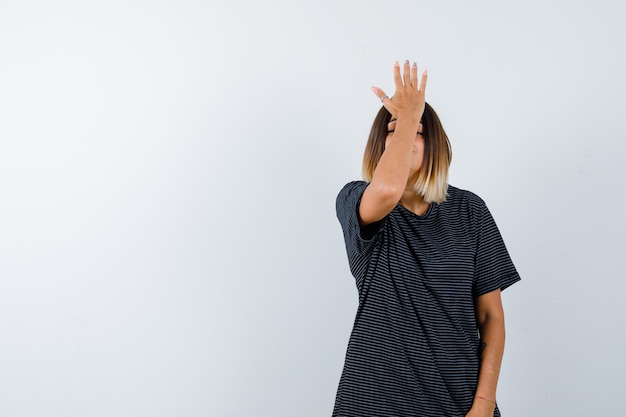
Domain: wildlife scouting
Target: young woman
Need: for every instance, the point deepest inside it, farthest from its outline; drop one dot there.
(429, 264)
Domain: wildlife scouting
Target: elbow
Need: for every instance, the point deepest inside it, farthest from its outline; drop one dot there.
(377, 202)
(388, 195)
(490, 318)
(489, 308)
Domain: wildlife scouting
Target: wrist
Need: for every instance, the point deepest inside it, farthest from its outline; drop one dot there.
(409, 123)
(408, 117)
(486, 399)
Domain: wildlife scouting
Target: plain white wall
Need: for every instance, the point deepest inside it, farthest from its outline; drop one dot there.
(168, 173)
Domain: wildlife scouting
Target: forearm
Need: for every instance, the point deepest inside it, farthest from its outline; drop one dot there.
(492, 336)
(392, 171)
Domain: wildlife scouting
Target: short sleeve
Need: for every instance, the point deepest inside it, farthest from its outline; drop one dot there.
(493, 266)
(360, 241)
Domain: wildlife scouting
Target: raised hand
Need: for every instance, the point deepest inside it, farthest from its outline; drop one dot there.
(400, 158)
(409, 98)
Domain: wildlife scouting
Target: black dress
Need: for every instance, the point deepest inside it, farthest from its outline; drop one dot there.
(414, 347)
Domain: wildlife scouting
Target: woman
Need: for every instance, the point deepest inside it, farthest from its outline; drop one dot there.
(429, 264)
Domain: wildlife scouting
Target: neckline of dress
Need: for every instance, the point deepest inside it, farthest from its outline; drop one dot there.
(417, 216)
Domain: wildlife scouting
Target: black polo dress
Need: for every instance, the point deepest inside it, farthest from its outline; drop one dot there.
(415, 346)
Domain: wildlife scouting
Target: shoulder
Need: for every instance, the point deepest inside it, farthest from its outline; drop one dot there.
(349, 198)
(352, 190)
(352, 186)
(464, 206)
(458, 196)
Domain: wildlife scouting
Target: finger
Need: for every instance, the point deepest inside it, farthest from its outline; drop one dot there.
(391, 126)
(380, 94)
(423, 82)
(396, 75)
(414, 75)
(407, 73)
(387, 103)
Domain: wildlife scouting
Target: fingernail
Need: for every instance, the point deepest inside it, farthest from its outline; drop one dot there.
(397, 64)
(415, 64)
(406, 62)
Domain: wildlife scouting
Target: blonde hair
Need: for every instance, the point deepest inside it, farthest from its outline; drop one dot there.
(432, 178)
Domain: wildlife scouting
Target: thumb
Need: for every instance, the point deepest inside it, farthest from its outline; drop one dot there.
(380, 94)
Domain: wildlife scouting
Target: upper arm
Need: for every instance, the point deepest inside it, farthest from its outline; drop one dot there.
(489, 306)
(359, 237)
(493, 267)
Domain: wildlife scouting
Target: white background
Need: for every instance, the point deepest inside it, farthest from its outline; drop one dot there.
(168, 173)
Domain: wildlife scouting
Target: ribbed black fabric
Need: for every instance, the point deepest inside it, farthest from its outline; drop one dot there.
(414, 348)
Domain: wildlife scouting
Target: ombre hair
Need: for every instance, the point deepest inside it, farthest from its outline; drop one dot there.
(432, 178)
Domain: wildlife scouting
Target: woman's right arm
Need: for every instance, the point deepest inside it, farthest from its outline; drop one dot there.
(392, 172)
